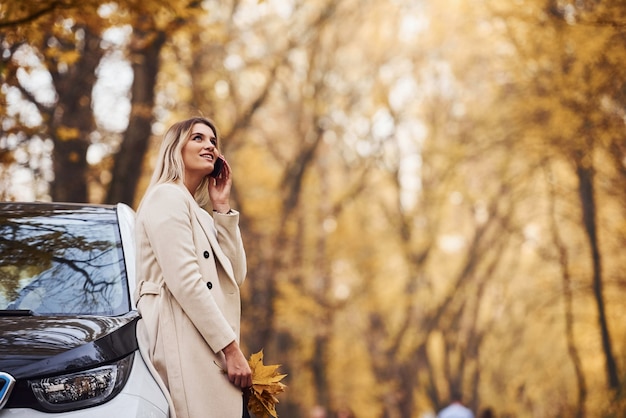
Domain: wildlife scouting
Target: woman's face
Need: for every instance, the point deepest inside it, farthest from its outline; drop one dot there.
(200, 151)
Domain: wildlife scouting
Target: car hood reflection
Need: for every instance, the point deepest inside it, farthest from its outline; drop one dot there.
(38, 346)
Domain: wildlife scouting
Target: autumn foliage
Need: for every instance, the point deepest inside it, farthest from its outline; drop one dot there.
(433, 193)
(266, 385)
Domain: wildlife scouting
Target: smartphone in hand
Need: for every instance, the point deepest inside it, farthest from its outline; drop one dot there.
(217, 167)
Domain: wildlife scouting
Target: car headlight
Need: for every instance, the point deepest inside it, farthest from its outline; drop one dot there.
(82, 389)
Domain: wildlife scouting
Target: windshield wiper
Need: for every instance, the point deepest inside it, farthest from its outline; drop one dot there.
(16, 312)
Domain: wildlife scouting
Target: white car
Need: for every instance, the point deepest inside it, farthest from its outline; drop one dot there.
(67, 320)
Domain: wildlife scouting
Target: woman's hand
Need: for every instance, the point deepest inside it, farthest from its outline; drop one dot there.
(237, 366)
(219, 189)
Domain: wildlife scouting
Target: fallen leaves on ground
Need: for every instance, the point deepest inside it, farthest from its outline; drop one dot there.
(266, 384)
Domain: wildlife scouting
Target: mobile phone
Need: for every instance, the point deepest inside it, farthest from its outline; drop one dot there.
(217, 167)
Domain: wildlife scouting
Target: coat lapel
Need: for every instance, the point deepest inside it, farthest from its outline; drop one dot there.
(208, 227)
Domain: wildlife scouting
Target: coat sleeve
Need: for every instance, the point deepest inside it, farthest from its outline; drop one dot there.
(167, 220)
(229, 238)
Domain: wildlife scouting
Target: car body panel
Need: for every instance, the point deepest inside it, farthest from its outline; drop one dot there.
(126, 221)
(40, 346)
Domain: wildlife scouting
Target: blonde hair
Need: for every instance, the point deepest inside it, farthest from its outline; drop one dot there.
(170, 167)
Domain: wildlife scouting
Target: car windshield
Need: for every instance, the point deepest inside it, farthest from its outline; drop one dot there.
(61, 261)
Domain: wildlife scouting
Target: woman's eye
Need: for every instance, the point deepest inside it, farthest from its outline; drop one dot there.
(197, 138)
(214, 142)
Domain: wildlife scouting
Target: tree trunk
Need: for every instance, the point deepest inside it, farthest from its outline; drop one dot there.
(144, 55)
(588, 204)
(72, 123)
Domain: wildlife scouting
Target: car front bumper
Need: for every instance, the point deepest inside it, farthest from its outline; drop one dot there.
(141, 397)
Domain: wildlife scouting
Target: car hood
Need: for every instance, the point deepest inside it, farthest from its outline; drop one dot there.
(37, 346)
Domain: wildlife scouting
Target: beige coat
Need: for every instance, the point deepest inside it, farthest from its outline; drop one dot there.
(189, 269)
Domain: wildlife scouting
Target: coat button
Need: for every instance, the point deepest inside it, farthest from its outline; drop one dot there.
(209, 285)
(206, 254)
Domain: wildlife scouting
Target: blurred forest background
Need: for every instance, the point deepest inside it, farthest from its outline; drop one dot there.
(433, 191)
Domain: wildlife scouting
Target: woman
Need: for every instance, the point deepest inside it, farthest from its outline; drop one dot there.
(189, 269)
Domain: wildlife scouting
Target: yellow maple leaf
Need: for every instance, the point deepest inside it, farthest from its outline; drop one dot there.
(266, 383)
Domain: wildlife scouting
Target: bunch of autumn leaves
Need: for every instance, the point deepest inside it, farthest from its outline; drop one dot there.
(266, 385)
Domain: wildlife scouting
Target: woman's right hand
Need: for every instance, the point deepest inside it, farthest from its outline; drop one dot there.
(237, 366)
(219, 189)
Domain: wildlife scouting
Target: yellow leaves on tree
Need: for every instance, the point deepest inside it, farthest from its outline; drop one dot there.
(266, 384)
